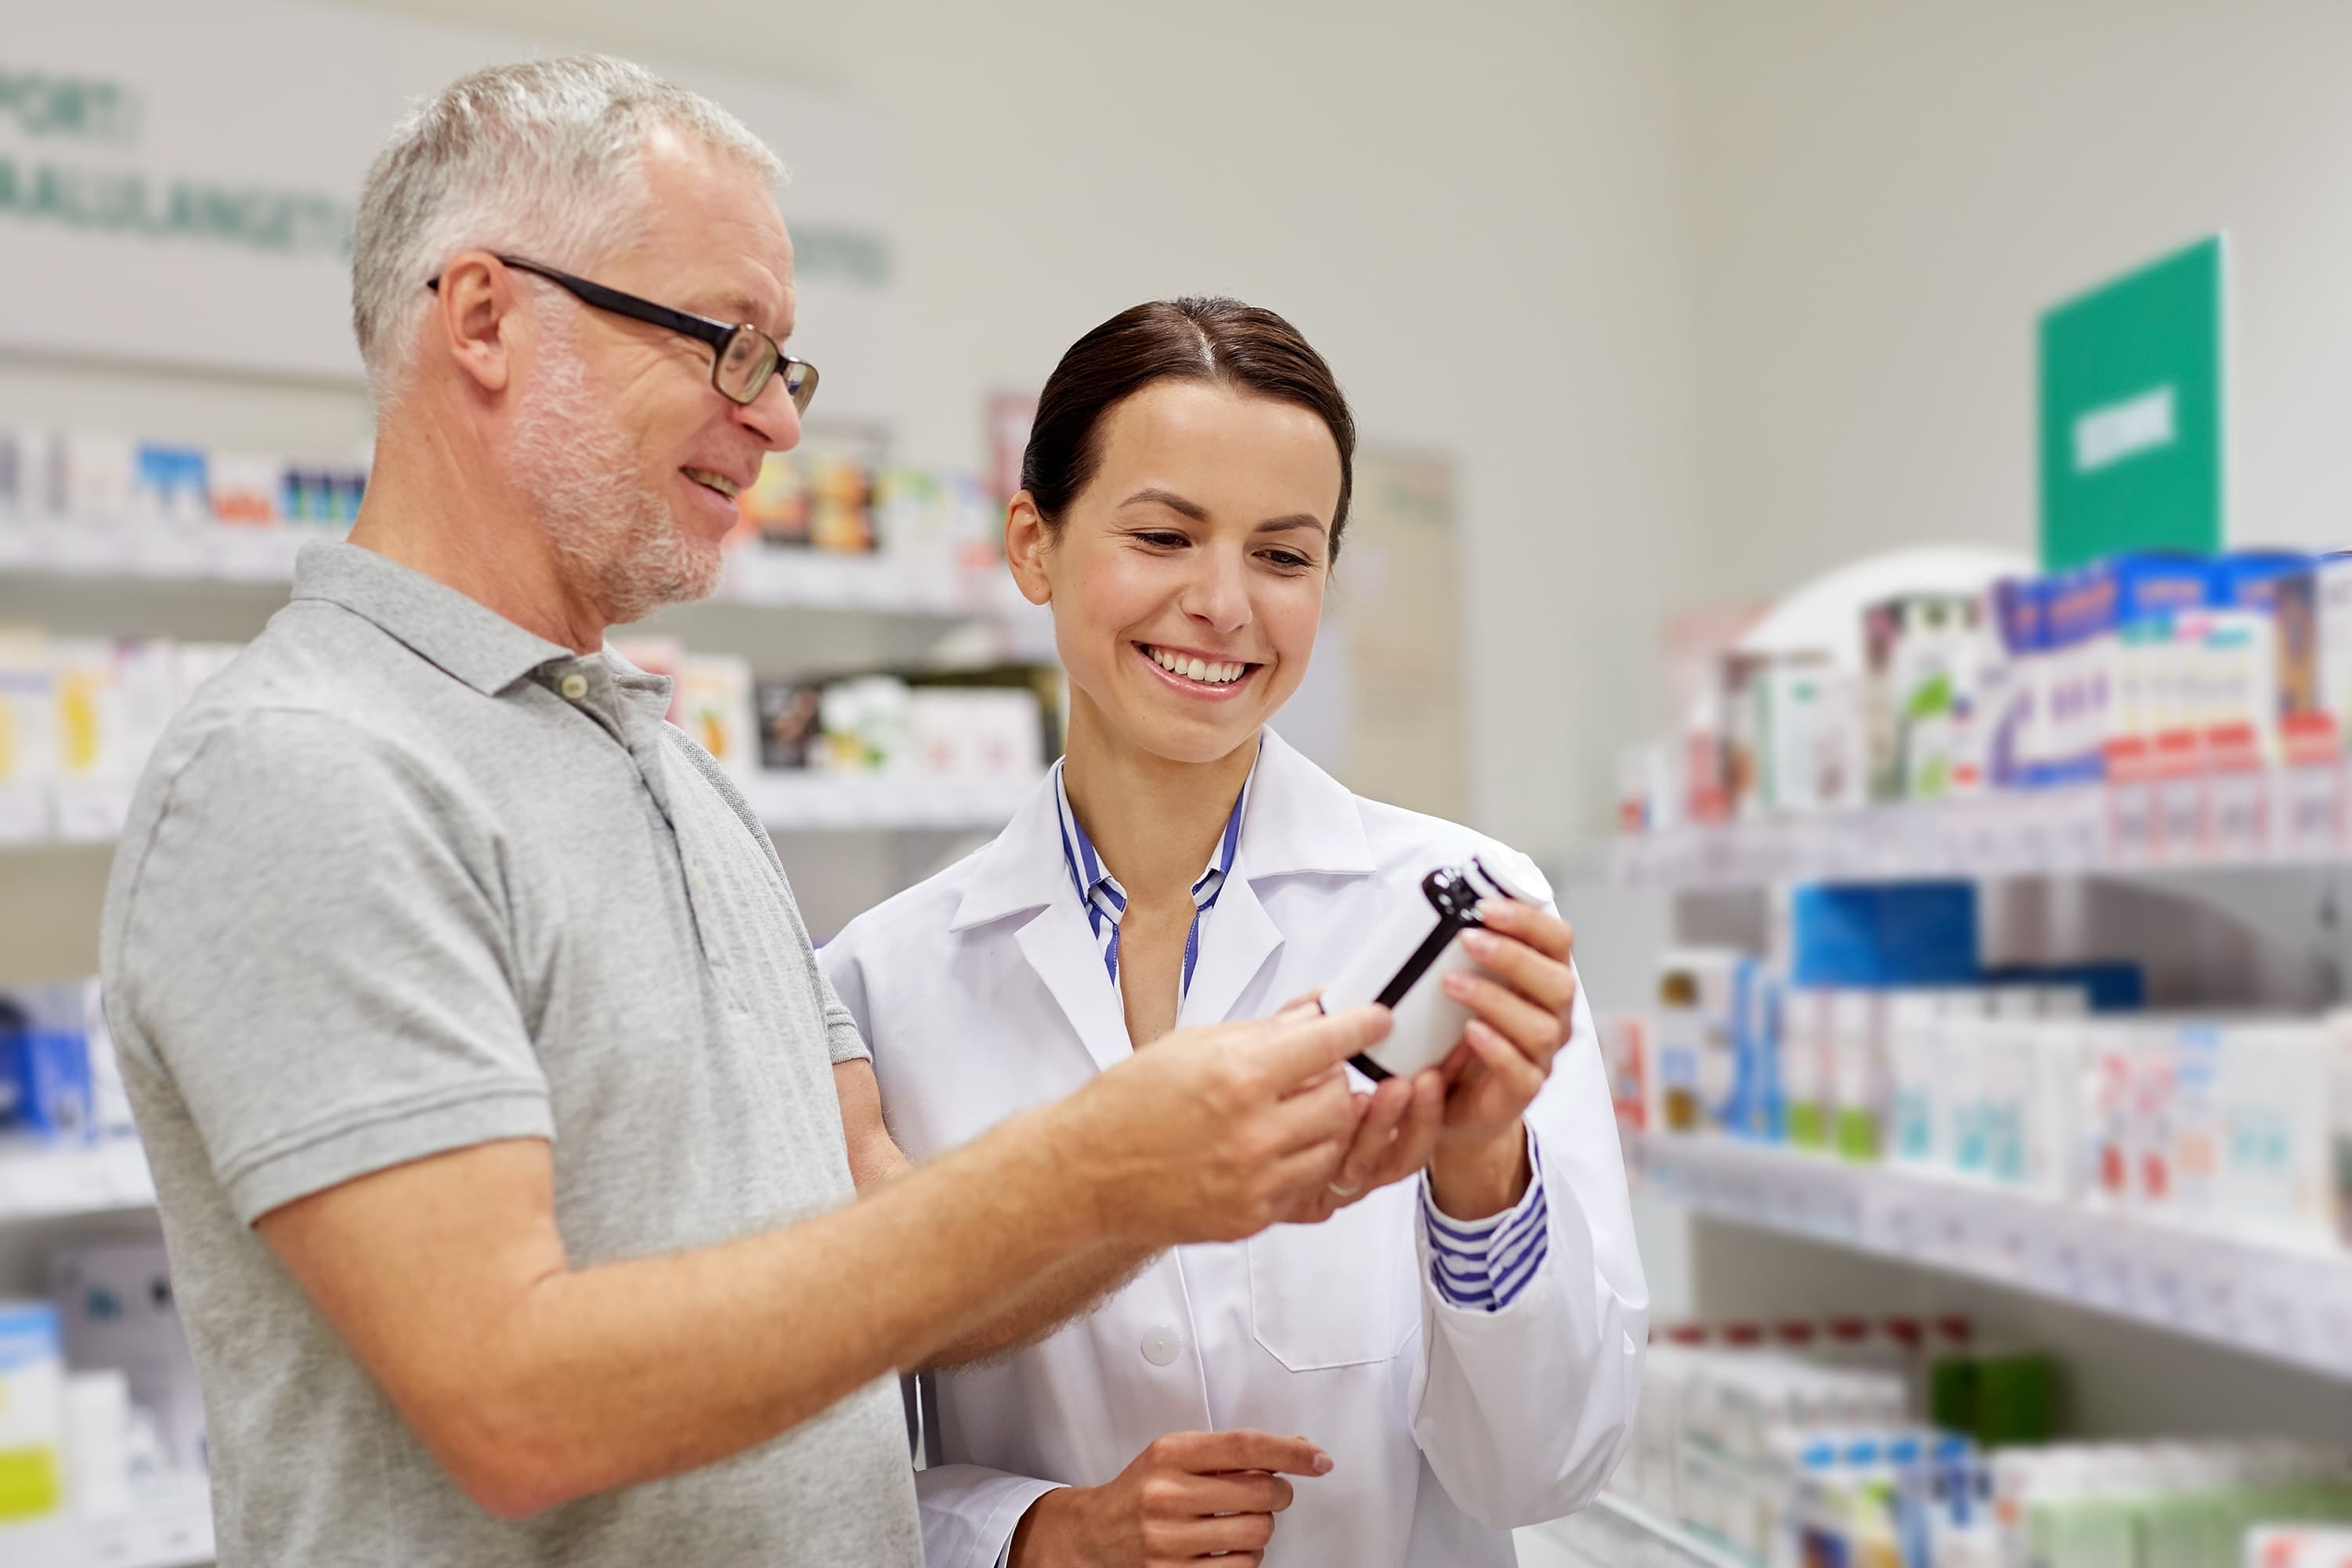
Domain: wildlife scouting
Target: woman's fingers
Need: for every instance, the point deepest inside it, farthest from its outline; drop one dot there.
(1538, 1031)
(1542, 979)
(1507, 1067)
(1359, 1171)
(1416, 1135)
(1539, 928)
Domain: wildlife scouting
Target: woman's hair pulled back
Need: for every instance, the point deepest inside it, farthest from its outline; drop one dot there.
(1221, 340)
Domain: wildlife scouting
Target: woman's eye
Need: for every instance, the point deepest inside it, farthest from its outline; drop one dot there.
(1287, 559)
(1162, 540)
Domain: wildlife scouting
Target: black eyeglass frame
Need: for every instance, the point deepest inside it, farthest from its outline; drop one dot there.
(800, 376)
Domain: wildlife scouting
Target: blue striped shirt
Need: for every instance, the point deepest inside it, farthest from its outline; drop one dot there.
(1483, 1264)
(1105, 900)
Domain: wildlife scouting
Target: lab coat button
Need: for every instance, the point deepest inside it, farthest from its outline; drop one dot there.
(1160, 1344)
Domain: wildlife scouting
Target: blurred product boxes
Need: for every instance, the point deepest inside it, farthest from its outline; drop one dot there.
(832, 501)
(101, 1414)
(2049, 1083)
(32, 1412)
(97, 478)
(1898, 1443)
(862, 724)
(60, 1082)
(2211, 696)
(79, 717)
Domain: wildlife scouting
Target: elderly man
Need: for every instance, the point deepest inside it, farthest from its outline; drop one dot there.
(504, 1126)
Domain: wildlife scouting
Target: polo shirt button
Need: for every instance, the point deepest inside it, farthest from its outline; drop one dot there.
(574, 686)
(1160, 1344)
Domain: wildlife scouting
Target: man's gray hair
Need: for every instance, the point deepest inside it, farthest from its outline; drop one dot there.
(541, 159)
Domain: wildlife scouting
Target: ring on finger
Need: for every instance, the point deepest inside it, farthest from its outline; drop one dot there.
(1340, 1190)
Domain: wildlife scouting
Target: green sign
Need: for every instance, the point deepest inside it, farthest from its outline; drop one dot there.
(2132, 411)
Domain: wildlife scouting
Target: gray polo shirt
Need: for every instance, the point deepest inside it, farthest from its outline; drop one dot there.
(405, 878)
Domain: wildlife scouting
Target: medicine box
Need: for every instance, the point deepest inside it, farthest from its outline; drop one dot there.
(32, 1412)
(117, 1311)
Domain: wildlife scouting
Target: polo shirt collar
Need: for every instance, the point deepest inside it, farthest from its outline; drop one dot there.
(462, 635)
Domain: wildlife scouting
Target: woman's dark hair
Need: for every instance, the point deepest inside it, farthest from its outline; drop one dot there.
(1199, 339)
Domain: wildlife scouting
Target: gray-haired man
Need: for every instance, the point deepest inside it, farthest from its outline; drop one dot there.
(504, 1126)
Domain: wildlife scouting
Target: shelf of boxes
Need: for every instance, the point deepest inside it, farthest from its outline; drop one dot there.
(819, 802)
(171, 1530)
(197, 554)
(91, 810)
(2257, 817)
(46, 1180)
(2273, 1301)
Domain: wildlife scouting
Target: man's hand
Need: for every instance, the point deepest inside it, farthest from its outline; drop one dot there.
(1523, 1010)
(1188, 1496)
(1216, 1133)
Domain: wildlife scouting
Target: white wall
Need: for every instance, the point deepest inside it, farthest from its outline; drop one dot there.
(1885, 196)
(1474, 210)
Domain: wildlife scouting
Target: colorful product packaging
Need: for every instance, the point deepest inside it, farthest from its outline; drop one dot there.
(2017, 743)
(1920, 651)
(171, 484)
(247, 490)
(32, 1412)
(711, 701)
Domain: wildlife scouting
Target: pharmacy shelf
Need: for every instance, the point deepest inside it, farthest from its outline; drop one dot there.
(197, 554)
(43, 1181)
(2266, 1299)
(1617, 1532)
(2265, 817)
(905, 802)
(172, 1529)
(92, 811)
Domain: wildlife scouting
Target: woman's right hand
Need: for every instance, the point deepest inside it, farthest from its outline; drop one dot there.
(1187, 1496)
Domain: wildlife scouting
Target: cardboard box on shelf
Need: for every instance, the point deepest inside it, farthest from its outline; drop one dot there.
(32, 1413)
(118, 1309)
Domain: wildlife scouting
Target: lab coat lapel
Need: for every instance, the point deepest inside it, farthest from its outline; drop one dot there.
(1238, 939)
(1062, 951)
(1022, 874)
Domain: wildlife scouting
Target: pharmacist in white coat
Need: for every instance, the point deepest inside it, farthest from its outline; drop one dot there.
(1445, 1356)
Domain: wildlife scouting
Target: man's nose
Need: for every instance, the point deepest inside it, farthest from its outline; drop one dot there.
(771, 416)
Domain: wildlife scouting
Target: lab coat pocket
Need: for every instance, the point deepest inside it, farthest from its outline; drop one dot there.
(1339, 1293)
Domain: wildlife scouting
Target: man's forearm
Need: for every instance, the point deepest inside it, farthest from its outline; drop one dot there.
(1068, 1289)
(623, 1373)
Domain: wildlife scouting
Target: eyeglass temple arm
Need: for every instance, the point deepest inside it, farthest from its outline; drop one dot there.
(715, 334)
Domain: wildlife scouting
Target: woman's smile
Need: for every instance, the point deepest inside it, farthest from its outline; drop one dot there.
(1199, 676)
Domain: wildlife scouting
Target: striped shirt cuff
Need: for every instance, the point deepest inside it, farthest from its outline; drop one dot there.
(1483, 1264)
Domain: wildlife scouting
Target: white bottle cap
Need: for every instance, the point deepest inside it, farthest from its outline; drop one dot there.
(1512, 874)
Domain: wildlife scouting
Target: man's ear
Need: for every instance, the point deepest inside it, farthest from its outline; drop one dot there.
(1026, 540)
(473, 315)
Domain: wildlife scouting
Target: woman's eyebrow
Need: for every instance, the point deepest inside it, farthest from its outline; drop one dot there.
(1295, 520)
(1152, 495)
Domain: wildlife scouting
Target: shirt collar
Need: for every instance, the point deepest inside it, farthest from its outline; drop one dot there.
(1096, 885)
(1300, 820)
(440, 625)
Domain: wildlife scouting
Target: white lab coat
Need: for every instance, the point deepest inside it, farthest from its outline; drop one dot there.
(982, 992)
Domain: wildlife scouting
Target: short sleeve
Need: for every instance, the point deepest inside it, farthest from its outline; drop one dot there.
(314, 947)
(841, 1031)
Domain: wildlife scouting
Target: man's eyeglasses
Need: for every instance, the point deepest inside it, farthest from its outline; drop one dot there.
(742, 356)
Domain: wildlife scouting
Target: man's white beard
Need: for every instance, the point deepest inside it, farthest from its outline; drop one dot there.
(612, 530)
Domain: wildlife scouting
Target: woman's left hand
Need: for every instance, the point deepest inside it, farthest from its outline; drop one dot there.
(1522, 999)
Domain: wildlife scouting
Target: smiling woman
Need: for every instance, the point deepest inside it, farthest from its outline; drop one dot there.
(1462, 1347)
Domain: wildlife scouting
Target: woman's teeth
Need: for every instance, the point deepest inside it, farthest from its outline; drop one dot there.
(719, 482)
(1208, 672)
